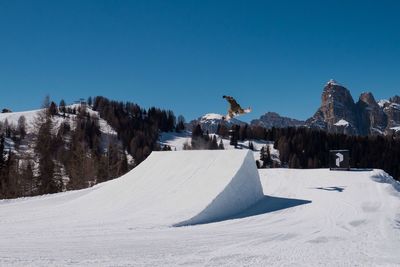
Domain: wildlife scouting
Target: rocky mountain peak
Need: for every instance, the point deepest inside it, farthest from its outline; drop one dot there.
(333, 91)
(339, 114)
(372, 119)
(368, 99)
(336, 104)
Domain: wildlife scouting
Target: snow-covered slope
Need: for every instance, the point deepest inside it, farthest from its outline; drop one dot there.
(25, 149)
(306, 218)
(30, 116)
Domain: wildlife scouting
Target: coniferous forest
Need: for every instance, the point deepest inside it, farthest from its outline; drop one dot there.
(309, 148)
(75, 154)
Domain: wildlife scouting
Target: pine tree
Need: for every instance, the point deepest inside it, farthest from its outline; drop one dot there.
(28, 180)
(197, 137)
(180, 126)
(265, 157)
(221, 145)
(234, 135)
(9, 181)
(7, 128)
(44, 150)
(22, 126)
(251, 145)
(62, 107)
(1, 152)
(3, 174)
(213, 145)
(52, 109)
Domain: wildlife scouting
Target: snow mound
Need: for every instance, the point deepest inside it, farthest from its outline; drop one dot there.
(342, 123)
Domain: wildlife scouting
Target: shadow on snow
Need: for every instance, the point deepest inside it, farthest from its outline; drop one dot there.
(266, 205)
(332, 188)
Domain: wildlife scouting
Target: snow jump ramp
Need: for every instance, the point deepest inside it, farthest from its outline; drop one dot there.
(189, 187)
(174, 188)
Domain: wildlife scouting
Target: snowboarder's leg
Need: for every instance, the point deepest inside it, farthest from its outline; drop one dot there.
(230, 114)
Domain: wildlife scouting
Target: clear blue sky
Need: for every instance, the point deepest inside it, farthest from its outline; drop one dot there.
(184, 55)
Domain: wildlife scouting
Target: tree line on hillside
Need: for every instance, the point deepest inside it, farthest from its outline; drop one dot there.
(55, 158)
(138, 129)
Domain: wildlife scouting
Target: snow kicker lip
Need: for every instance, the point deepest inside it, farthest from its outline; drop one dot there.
(242, 191)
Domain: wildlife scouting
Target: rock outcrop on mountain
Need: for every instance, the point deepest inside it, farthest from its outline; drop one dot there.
(392, 110)
(372, 119)
(273, 119)
(340, 114)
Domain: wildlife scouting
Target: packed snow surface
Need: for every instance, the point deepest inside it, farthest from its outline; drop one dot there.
(305, 218)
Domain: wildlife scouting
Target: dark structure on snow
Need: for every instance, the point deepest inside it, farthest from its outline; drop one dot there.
(339, 160)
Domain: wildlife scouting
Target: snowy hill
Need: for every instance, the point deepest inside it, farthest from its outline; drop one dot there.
(21, 132)
(305, 218)
(209, 122)
(30, 116)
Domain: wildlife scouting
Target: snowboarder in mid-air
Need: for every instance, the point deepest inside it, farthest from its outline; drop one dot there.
(234, 108)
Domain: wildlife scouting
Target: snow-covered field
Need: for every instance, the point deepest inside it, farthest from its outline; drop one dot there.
(305, 218)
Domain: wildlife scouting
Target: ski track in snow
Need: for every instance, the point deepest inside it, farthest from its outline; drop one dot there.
(309, 218)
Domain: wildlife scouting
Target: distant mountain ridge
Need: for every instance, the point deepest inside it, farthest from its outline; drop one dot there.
(339, 113)
(273, 119)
